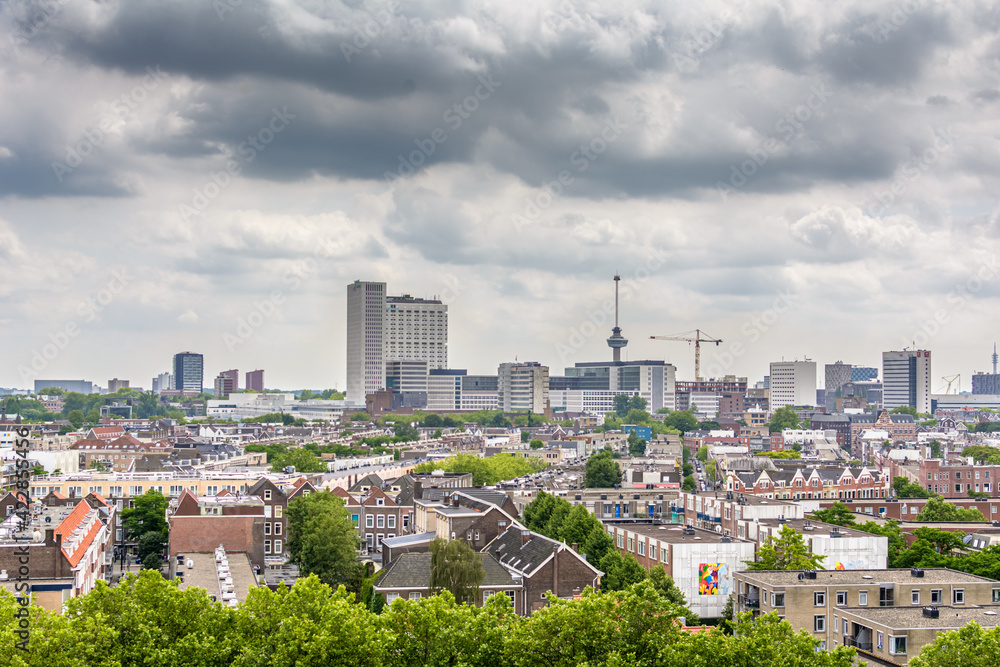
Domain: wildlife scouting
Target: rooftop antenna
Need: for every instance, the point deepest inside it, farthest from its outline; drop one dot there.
(994, 358)
(616, 342)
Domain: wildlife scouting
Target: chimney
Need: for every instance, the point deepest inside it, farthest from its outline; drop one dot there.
(50, 537)
(525, 536)
(575, 547)
(418, 489)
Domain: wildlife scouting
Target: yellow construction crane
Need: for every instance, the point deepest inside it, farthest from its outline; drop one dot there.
(950, 381)
(699, 338)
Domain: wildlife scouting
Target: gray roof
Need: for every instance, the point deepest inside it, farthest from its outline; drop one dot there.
(525, 556)
(413, 571)
(408, 540)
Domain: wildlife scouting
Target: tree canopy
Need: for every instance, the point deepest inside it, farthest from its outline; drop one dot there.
(601, 471)
(487, 471)
(937, 509)
(784, 417)
(146, 523)
(323, 540)
(786, 552)
(456, 568)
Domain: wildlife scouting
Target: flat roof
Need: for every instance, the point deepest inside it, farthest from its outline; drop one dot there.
(749, 499)
(674, 533)
(912, 618)
(862, 577)
(817, 528)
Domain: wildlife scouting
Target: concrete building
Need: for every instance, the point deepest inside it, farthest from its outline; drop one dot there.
(880, 612)
(701, 562)
(383, 328)
(189, 371)
(255, 380)
(906, 380)
(592, 386)
(408, 379)
(863, 373)
(114, 384)
(523, 386)
(224, 386)
(234, 375)
(163, 382)
(792, 383)
(835, 376)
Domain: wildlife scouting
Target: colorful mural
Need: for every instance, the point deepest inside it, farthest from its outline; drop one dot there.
(849, 565)
(712, 579)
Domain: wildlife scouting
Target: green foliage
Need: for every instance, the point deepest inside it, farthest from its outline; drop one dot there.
(456, 568)
(702, 454)
(904, 488)
(970, 646)
(361, 417)
(76, 418)
(987, 427)
(681, 420)
(709, 425)
(636, 445)
(525, 436)
(904, 410)
(601, 471)
(620, 571)
(783, 455)
(784, 417)
(146, 523)
(301, 458)
(486, 471)
(624, 404)
(710, 470)
(838, 514)
(937, 509)
(536, 443)
(689, 484)
(322, 540)
(982, 454)
(786, 552)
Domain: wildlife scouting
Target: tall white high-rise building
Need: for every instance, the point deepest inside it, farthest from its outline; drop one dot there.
(382, 328)
(792, 383)
(523, 386)
(906, 379)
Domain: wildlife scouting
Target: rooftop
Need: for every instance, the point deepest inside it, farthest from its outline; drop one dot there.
(912, 618)
(861, 577)
(674, 533)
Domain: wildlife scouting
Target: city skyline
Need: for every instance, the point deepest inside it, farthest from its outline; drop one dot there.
(800, 180)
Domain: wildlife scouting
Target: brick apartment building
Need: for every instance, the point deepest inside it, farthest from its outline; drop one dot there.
(276, 496)
(811, 483)
(200, 524)
(898, 427)
(953, 480)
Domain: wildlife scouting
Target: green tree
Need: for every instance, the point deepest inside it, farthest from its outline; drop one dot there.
(784, 417)
(904, 488)
(709, 425)
(601, 471)
(904, 410)
(688, 484)
(636, 445)
(981, 453)
(146, 523)
(682, 420)
(944, 541)
(786, 552)
(621, 405)
(525, 436)
(665, 586)
(710, 470)
(702, 454)
(456, 568)
(488, 471)
(76, 418)
(322, 539)
(149, 548)
(890, 530)
(970, 646)
(838, 514)
(620, 571)
(536, 443)
(937, 509)
(301, 458)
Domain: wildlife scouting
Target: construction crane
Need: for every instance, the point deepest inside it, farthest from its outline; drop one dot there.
(699, 338)
(950, 381)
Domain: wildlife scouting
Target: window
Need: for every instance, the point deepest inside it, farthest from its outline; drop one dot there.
(211, 490)
(863, 598)
(936, 596)
(777, 599)
(621, 540)
(664, 554)
(957, 597)
(642, 548)
(510, 594)
(914, 597)
(380, 521)
(277, 546)
(355, 518)
(370, 521)
(631, 544)
(897, 645)
(267, 511)
(267, 546)
(277, 511)
(392, 523)
(267, 494)
(819, 623)
(267, 528)
(880, 638)
(819, 598)
(652, 552)
(277, 528)
(996, 595)
(389, 597)
(841, 598)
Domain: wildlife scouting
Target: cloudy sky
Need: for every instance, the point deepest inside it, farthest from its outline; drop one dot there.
(801, 179)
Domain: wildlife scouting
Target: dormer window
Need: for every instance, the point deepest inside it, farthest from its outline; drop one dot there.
(380, 501)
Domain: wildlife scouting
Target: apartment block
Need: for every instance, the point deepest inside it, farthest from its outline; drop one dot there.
(906, 379)
(792, 383)
(523, 386)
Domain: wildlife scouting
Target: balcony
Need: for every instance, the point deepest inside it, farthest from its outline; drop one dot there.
(857, 642)
(748, 602)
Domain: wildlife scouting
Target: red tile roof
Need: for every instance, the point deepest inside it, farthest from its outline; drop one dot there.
(75, 520)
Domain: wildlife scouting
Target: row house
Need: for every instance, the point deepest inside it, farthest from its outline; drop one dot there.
(201, 524)
(953, 480)
(888, 615)
(907, 509)
(610, 504)
(69, 547)
(701, 562)
(811, 483)
(119, 454)
(275, 496)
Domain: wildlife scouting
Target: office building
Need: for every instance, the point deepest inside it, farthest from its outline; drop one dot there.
(80, 386)
(863, 373)
(224, 386)
(592, 386)
(255, 380)
(792, 383)
(407, 380)
(189, 372)
(906, 379)
(115, 384)
(523, 386)
(383, 328)
(836, 376)
(444, 388)
(163, 382)
(480, 392)
(233, 375)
